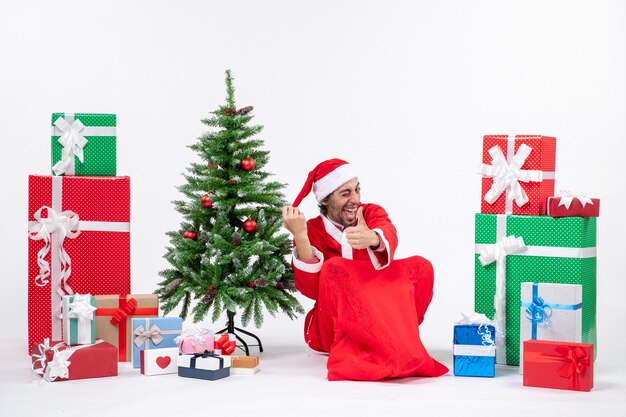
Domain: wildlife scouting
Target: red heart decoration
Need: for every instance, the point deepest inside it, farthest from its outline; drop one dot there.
(163, 361)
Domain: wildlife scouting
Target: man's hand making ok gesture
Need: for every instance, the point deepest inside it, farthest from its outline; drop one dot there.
(360, 236)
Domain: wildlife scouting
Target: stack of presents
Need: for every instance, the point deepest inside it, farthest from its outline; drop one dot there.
(535, 271)
(82, 319)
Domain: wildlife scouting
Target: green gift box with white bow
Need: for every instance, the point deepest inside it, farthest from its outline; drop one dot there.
(84, 144)
(79, 319)
(513, 249)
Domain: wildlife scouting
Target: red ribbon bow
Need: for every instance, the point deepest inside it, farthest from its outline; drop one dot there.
(123, 312)
(576, 360)
(225, 344)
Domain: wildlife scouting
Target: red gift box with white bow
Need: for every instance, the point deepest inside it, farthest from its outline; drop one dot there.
(79, 242)
(57, 361)
(571, 204)
(556, 364)
(518, 174)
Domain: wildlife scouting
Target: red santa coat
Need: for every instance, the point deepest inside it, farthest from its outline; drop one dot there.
(368, 306)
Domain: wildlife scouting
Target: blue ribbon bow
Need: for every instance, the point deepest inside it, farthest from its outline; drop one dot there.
(538, 311)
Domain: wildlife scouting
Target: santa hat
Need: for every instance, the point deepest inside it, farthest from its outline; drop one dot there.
(325, 178)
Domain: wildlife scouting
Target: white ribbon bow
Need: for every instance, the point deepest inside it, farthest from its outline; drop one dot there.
(507, 176)
(153, 334)
(73, 143)
(497, 253)
(81, 308)
(63, 225)
(567, 196)
(58, 367)
(473, 318)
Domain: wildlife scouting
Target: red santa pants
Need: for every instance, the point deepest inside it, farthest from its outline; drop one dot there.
(368, 320)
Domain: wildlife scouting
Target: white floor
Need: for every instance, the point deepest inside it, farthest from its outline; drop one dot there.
(292, 382)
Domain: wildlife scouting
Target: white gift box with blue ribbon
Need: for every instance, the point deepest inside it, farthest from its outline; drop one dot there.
(550, 312)
(474, 346)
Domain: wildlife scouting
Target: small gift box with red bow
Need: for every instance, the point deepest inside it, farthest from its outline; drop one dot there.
(79, 319)
(56, 361)
(225, 344)
(195, 341)
(560, 365)
(154, 333)
(159, 361)
(474, 346)
(571, 204)
(207, 365)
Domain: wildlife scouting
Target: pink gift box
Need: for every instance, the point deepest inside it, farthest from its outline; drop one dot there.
(195, 343)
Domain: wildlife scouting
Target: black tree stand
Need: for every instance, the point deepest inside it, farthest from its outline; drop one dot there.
(230, 328)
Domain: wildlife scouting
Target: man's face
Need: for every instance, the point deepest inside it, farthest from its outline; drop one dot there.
(343, 203)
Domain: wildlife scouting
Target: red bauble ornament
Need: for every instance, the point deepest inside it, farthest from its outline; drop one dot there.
(227, 112)
(251, 284)
(249, 226)
(234, 111)
(247, 164)
(211, 287)
(190, 234)
(206, 201)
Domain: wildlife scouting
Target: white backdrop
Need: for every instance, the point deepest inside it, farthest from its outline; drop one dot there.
(404, 90)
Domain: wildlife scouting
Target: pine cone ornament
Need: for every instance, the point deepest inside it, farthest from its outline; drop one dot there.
(172, 285)
(289, 285)
(212, 165)
(236, 238)
(245, 110)
(261, 282)
(210, 296)
(204, 237)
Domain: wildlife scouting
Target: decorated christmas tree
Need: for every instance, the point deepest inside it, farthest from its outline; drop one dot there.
(230, 252)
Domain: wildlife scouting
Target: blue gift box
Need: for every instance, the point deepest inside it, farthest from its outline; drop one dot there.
(153, 333)
(474, 350)
(209, 366)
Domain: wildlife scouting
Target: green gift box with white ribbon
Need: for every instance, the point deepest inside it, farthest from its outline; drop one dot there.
(79, 319)
(513, 249)
(84, 144)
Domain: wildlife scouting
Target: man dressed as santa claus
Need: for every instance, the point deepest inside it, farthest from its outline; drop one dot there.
(368, 305)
